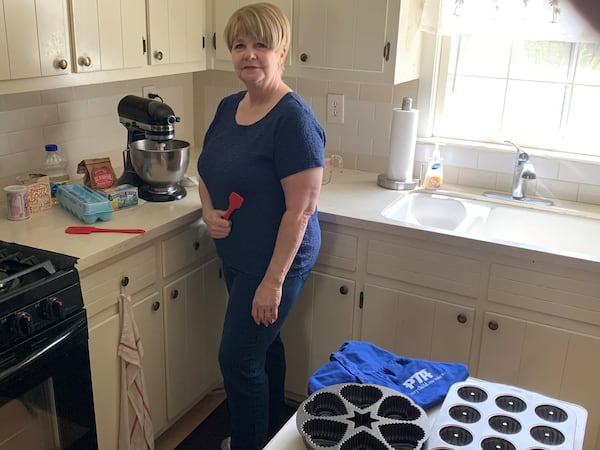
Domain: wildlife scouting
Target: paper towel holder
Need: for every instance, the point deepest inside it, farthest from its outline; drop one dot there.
(385, 182)
(391, 179)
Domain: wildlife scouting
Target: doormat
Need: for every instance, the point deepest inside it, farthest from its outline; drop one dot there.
(209, 434)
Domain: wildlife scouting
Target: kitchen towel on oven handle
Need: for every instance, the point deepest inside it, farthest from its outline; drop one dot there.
(424, 382)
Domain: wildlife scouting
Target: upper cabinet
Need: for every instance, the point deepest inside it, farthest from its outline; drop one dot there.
(34, 39)
(177, 30)
(108, 34)
(345, 40)
(357, 40)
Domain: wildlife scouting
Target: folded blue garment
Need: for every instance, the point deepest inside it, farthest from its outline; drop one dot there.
(425, 382)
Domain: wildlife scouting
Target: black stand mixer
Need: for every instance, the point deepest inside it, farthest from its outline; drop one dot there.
(153, 161)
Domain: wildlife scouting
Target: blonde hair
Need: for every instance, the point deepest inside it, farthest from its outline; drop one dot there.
(264, 22)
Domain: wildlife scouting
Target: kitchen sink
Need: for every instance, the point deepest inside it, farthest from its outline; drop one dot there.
(438, 211)
(497, 221)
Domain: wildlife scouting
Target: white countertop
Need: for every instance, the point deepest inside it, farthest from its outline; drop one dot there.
(353, 198)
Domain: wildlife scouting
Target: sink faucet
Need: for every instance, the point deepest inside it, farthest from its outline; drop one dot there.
(523, 172)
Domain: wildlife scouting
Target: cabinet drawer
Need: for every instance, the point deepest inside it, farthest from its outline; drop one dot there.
(101, 287)
(338, 250)
(562, 293)
(429, 268)
(192, 245)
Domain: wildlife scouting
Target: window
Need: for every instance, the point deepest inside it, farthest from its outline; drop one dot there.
(543, 94)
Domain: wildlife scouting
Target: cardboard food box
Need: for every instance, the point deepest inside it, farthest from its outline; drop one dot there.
(98, 173)
(122, 196)
(38, 191)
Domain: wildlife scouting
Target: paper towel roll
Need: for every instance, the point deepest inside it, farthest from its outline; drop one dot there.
(402, 144)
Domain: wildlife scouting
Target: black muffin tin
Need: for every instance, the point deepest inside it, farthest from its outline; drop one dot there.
(361, 416)
(480, 415)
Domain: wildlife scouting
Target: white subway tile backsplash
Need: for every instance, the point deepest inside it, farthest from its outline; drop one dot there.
(548, 188)
(577, 172)
(12, 121)
(589, 194)
(73, 111)
(496, 162)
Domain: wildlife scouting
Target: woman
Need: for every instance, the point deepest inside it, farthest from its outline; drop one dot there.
(265, 144)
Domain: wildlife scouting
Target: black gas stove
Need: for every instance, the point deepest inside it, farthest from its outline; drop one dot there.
(38, 288)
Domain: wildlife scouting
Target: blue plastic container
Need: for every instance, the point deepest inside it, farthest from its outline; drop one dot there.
(84, 203)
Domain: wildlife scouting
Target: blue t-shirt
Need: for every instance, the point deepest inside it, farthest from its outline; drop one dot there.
(251, 160)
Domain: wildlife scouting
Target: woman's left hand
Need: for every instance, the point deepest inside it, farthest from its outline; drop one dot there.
(265, 306)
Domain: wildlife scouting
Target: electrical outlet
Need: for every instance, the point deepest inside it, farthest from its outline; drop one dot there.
(335, 108)
(148, 90)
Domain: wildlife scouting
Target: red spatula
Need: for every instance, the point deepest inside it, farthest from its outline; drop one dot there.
(89, 229)
(235, 201)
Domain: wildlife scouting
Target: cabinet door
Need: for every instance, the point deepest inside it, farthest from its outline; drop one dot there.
(416, 326)
(106, 379)
(149, 318)
(341, 34)
(357, 40)
(552, 361)
(35, 42)
(223, 10)
(108, 34)
(319, 323)
(192, 326)
(177, 31)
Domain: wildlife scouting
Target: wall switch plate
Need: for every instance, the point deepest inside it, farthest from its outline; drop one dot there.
(148, 90)
(335, 108)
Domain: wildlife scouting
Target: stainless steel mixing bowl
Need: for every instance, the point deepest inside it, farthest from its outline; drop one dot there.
(160, 163)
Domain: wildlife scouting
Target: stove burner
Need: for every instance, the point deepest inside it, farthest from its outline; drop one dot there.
(17, 268)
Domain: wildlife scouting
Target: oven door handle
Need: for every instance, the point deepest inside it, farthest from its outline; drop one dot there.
(39, 353)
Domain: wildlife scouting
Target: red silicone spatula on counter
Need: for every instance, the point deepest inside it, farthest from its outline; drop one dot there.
(235, 201)
(89, 229)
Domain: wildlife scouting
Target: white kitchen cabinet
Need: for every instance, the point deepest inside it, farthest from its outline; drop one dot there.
(320, 321)
(222, 11)
(108, 34)
(195, 303)
(193, 318)
(34, 39)
(134, 275)
(357, 40)
(415, 326)
(177, 31)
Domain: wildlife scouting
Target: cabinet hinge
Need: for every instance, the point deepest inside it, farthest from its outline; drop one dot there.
(361, 299)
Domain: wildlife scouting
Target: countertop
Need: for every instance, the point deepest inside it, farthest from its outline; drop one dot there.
(353, 198)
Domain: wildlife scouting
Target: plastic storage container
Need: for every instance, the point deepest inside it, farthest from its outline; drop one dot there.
(84, 203)
(55, 166)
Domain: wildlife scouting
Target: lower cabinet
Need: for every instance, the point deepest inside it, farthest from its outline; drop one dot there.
(320, 321)
(415, 326)
(179, 317)
(555, 362)
(194, 317)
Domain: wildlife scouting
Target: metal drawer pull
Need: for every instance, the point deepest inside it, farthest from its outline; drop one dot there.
(462, 318)
(155, 306)
(174, 294)
(343, 290)
(124, 281)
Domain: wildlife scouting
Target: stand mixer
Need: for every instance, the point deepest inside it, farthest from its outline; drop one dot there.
(153, 161)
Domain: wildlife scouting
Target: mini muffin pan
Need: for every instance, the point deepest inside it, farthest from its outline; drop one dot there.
(361, 416)
(84, 203)
(479, 415)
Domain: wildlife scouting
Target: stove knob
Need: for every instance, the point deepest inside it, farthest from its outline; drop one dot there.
(57, 308)
(24, 324)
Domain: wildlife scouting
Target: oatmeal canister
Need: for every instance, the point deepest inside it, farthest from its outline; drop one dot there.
(17, 202)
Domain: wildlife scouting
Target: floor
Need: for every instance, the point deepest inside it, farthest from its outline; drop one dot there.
(188, 423)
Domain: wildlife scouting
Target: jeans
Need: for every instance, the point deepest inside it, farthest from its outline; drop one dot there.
(252, 361)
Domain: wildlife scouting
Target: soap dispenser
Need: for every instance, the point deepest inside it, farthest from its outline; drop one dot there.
(434, 177)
